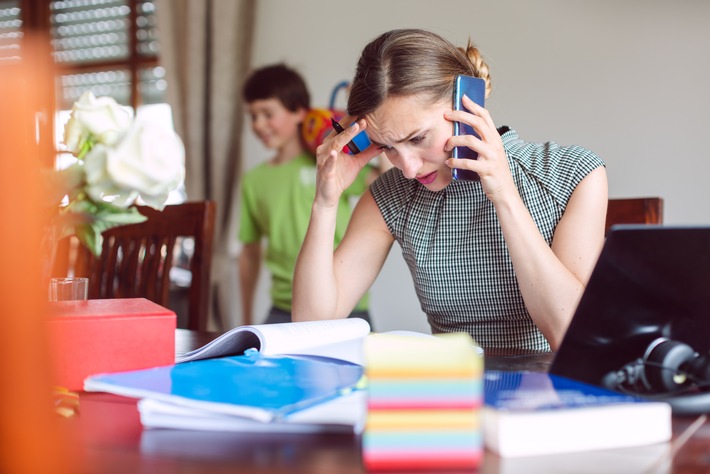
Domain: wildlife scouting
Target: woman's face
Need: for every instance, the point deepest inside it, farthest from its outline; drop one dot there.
(413, 135)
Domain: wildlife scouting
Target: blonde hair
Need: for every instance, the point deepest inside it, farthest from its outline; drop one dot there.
(411, 62)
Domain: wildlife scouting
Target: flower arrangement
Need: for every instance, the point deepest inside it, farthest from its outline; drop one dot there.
(118, 161)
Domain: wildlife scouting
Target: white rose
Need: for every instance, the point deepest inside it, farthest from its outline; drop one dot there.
(101, 118)
(150, 159)
(100, 186)
(75, 135)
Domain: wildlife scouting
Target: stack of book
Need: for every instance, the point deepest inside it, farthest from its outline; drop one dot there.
(424, 401)
(532, 413)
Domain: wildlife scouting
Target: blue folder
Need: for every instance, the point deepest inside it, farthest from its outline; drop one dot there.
(262, 387)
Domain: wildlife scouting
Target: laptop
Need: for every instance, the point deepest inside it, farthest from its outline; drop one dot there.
(650, 281)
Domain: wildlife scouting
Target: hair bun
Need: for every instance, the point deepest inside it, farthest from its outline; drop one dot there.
(480, 66)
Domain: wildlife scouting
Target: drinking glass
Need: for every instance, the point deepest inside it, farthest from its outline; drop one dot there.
(71, 288)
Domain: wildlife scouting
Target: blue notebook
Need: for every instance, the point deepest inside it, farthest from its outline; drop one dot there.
(531, 413)
(264, 388)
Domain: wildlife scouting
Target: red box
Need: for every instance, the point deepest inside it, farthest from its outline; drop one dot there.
(112, 335)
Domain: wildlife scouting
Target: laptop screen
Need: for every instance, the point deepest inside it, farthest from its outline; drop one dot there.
(649, 282)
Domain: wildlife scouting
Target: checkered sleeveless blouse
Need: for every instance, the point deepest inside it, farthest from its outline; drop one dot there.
(454, 247)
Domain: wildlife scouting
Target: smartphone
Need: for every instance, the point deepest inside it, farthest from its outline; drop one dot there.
(475, 89)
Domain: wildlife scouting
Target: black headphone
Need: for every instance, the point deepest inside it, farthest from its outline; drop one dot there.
(670, 371)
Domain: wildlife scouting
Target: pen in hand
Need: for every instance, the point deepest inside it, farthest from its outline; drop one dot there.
(339, 129)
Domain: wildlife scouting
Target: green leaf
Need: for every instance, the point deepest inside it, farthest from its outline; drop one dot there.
(82, 205)
(123, 216)
(89, 219)
(91, 238)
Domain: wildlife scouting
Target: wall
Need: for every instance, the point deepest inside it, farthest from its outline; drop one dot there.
(627, 79)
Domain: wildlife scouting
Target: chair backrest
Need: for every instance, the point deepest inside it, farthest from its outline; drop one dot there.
(136, 260)
(647, 210)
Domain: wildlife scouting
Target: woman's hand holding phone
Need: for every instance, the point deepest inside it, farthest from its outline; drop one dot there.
(491, 163)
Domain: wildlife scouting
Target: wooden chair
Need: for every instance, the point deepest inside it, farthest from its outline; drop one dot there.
(136, 259)
(648, 210)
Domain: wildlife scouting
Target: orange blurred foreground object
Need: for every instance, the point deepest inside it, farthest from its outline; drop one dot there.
(29, 428)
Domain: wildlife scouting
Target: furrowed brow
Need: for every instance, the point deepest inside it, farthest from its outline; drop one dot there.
(401, 140)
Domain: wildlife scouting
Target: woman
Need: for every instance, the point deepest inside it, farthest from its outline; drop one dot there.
(505, 258)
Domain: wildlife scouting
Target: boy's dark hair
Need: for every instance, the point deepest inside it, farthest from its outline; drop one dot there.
(278, 82)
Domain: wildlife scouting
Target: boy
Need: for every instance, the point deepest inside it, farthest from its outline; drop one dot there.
(277, 195)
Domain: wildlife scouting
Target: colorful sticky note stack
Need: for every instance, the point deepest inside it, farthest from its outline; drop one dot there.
(424, 401)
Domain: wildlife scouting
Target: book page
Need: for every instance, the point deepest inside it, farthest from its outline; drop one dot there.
(233, 342)
(323, 338)
(337, 338)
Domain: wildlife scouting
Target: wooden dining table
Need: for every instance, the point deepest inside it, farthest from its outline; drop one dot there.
(107, 437)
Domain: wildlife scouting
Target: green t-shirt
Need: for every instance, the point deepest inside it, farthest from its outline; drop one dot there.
(276, 205)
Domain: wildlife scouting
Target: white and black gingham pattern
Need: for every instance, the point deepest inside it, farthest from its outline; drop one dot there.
(454, 247)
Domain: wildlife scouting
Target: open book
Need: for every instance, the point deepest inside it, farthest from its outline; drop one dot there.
(340, 339)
